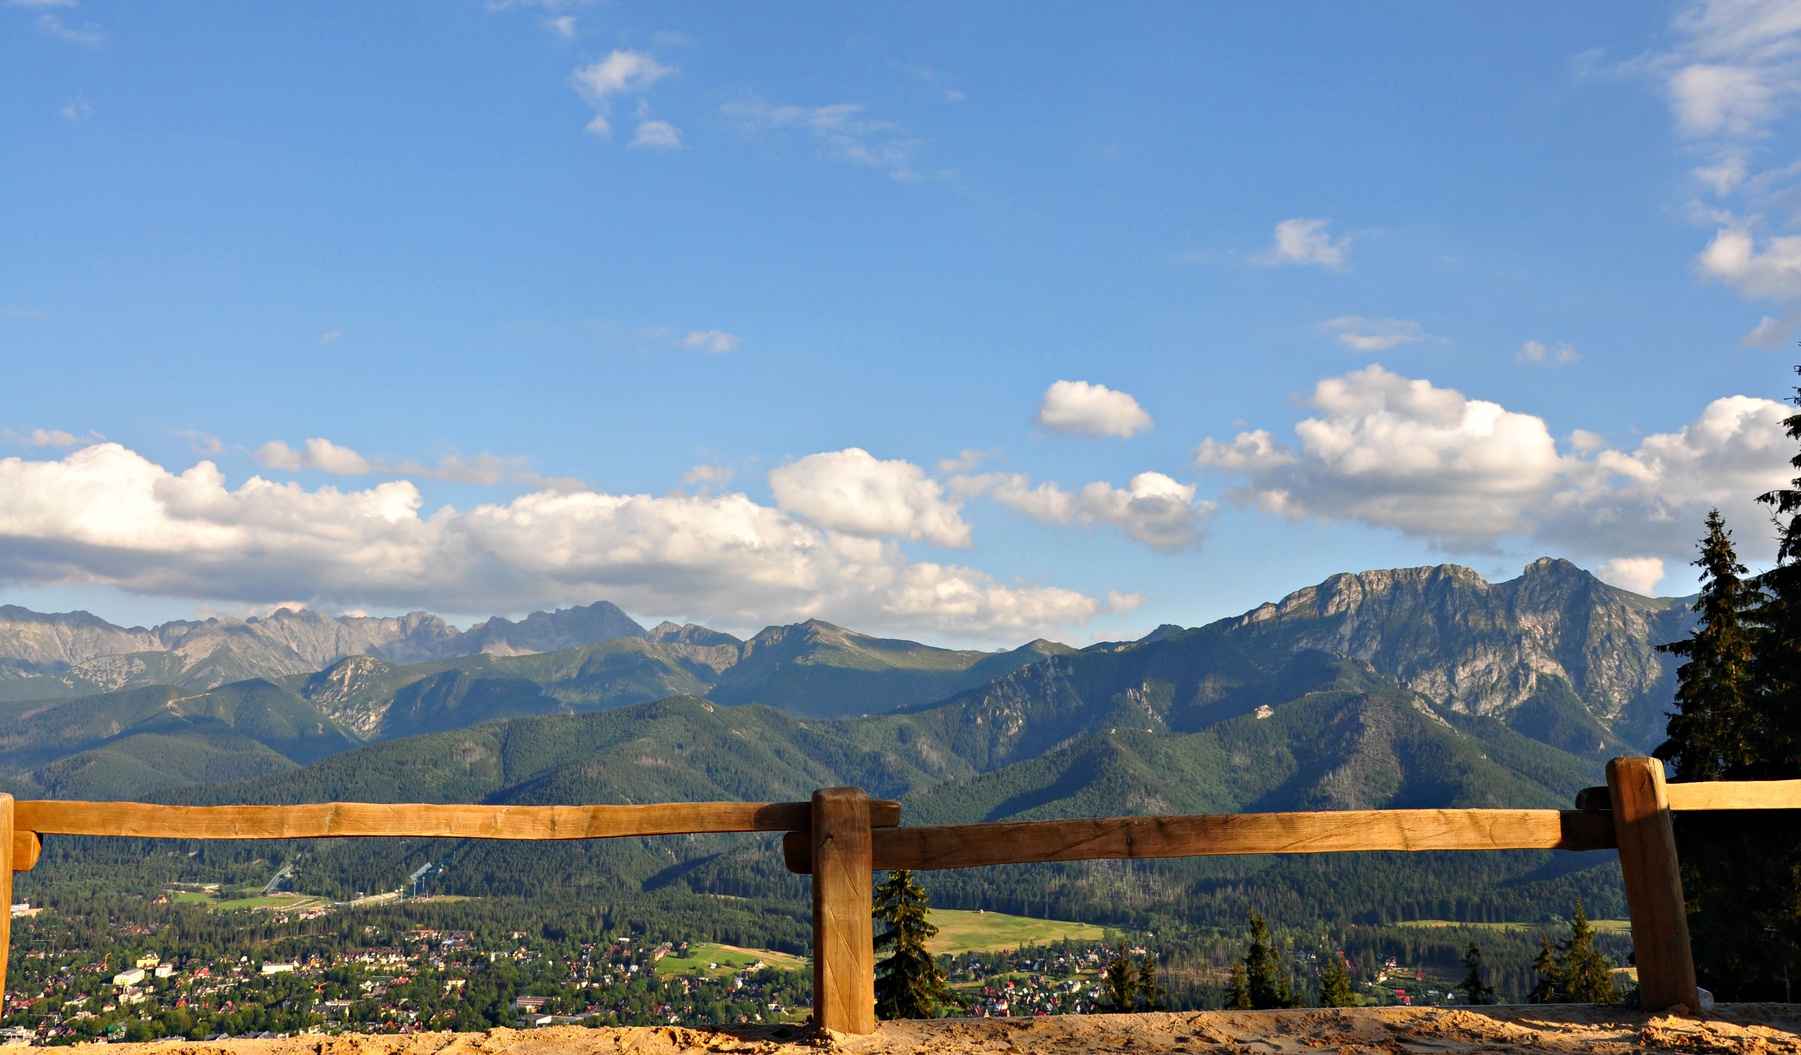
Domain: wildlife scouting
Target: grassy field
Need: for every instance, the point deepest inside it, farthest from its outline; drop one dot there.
(961, 931)
(1602, 926)
(705, 959)
(271, 903)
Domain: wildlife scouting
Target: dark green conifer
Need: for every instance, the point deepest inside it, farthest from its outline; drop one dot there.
(1238, 991)
(1587, 975)
(1334, 981)
(1119, 983)
(1548, 984)
(1474, 989)
(1710, 730)
(909, 983)
(1265, 982)
(1150, 994)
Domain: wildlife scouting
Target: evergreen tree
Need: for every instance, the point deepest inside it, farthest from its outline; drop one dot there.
(1548, 987)
(1710, 732)
(1120, 983)
(1238, 990)
(1739, 874)
(1334, 981)
(1473, 988)
(909, 983)
(1266, 984)
(1150, 994)
(1576, 972)
(1587, 975)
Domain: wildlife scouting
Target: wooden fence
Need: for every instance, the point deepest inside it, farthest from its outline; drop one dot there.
(842, 837)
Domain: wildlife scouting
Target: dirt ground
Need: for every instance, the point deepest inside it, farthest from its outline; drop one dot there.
(1732, 1028)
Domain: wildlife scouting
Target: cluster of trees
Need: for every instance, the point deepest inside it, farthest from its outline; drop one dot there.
(1738, 717)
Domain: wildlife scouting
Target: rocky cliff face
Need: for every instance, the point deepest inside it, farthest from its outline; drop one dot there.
(1489, 648)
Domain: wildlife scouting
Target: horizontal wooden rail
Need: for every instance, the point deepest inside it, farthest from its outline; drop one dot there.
(1336, 831)
(1712, 795)
(330, 820)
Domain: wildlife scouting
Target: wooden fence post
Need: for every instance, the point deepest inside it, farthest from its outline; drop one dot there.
(843, 930)
(6, 889)
(1641, 820)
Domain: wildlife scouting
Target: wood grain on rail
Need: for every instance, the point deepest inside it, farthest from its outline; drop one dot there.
(26, 848)
(340, 819)
(1336, 831)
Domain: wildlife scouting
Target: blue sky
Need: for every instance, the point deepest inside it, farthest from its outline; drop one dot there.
(963, 322)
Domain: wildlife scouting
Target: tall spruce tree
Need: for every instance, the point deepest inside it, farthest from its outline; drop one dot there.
(1119, 982)
(1587, 974)
(1474, 989)
(1266, 984)
(1334, 981)
(1238, 990)
(1710, 730)
(1150, 993)
(1740, 874)
(909, 982)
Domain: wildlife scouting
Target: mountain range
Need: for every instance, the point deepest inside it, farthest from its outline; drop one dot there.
(1554, 658)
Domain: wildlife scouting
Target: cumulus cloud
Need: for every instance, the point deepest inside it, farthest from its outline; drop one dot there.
(1079, 408)
(318, 453)
(710, 474)
(658, 135)
(1538, 353)
(1374, 335)
(1638, 574)
(1304, 241)
(1771, 270)
(1152, 508)
(853, 492)
(79, 109)
(330, 337)
(621, 72)
(1402, 453)
(105, 514)
(715, 341)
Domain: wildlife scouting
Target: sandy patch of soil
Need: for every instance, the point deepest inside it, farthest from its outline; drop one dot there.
(1763, 1029)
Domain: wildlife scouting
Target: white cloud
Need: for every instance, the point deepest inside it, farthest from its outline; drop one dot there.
(1772, 332)
(853, 492)
(1638, 574)
(79, 109)
(318, 453)
(330, 337)
(1374, 335)
(200, 442)
(619, 73)
(1541, 354)
(48, 438)
(965, 461)
(1304, 241)
(1771, 271)
(1085, 409)
(716, 341)
(1401, 453)
(563, 26)
(51, 25)
(484, 469)
(1152, 508)
(106, 515)
(658, 135)
(710, 474)
(843, 131)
